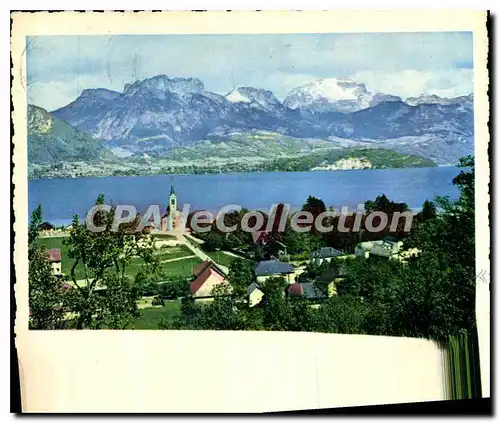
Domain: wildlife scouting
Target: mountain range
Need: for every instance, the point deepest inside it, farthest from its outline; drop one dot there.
(159, 116)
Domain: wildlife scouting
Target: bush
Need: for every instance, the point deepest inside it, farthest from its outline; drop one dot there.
(174, 289)
(158, 301)
(299, 257)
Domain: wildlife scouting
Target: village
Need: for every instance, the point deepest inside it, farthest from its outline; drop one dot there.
(186, 258)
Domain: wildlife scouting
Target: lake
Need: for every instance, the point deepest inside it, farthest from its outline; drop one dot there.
(62, 198)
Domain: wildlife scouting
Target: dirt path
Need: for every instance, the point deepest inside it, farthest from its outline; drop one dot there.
(199, 253)
(230, 253)
(177, 259)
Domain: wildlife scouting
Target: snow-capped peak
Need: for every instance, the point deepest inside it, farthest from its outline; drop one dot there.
(334, 94)
(236, 96)
(335, 89)
(255, 97)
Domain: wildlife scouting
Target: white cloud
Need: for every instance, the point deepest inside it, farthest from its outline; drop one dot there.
(411, 82)
(52, 95)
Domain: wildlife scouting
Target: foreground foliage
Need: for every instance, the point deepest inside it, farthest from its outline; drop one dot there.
(106, 295)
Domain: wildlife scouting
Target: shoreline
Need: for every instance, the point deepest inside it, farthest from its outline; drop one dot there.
(234, 173)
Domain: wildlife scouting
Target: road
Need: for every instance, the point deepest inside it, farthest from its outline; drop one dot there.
(198, 252)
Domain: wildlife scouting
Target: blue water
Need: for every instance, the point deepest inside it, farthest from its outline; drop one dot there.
(63, 198)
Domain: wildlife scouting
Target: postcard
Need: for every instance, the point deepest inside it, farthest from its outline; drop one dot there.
(250, 211)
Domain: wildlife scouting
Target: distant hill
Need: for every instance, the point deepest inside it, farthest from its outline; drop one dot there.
(349, 158)
(52, 140)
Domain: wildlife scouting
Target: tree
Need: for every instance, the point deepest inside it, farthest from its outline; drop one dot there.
(439, 282)
(240, 276)
(298, 242)
(174, 288)
(314, 205)
(328, 272)
(382, 203)
(276, 313)
(342, 314)
(214, 241)
(46, 294)
(428, 211)
(107, 295)
(301, 317)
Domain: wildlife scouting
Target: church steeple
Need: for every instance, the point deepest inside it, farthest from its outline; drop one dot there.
(172, 199)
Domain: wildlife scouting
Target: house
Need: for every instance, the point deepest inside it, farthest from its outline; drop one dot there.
(260, 237)
(404, 255)
(273, 268)
(65, 286)
(388, 247)
(54, 256)
(207, 275)
(305, 290)
(325, 254)
(46, 226)
(255, 295)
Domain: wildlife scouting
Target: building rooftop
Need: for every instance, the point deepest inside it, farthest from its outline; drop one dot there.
(326, 252)
(199, 268)
(391, 239)
(306, 289)
(388, 242)
(54, 255)
(260, 237)
(272, 267)
(252, 287)
(200, 279)
(46, 226)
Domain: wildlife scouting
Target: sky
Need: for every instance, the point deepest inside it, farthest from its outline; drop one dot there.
(59, 68)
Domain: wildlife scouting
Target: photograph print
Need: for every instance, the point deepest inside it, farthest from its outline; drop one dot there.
(258, 182)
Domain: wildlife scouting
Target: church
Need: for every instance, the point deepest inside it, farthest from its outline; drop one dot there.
(171, 220)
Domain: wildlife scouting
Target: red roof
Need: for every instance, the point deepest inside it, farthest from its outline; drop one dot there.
(54, 254)
(260, 237)
(66, 286)
(295, 290)
(201, 279)
(200, 267)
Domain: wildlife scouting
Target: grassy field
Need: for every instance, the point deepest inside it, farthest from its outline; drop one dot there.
(67, 263)
(182, 268)
(174, 252)
(222, 258)
(152, 316)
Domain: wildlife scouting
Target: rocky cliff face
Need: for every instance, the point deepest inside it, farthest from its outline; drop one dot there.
(50, 139)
